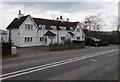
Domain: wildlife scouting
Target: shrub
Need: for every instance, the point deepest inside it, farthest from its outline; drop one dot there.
(97, 43)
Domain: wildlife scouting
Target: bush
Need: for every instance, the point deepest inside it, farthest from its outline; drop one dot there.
(103, 43)
(97, 43)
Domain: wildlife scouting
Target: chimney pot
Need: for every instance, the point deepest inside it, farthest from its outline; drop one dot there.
(19, 11)
(68, 19)
(20, 15)
(61, 17)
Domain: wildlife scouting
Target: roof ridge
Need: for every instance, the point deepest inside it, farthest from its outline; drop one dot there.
(54, 20)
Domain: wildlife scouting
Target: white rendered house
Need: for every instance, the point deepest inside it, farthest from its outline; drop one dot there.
(27, 31)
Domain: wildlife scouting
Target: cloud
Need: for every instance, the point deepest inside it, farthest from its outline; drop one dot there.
(64, 6)
(75, 11)
(59, 0)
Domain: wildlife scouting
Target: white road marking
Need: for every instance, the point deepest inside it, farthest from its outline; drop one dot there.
(42, 67)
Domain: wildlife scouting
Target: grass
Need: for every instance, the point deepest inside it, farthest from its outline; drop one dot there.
(10, 56)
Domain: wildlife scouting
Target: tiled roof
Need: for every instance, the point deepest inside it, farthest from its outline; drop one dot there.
(49, 23)
(17, 22)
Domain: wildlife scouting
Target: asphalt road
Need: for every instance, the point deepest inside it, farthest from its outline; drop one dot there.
(82, 64)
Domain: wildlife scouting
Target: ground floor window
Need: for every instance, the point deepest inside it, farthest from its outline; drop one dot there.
(28, 39)
(41, 39)
(78, 38)
(45, 39)
(63, 38)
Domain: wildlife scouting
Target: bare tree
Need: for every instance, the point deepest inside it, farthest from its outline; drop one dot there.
(93, 23)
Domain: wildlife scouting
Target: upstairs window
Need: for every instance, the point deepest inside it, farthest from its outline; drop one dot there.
(28, 26)
(53, 27)
(78, 29)
(63, 28)
(71, 28)
(42, 27)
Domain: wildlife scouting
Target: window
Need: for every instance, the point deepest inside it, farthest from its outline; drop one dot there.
(31, 26)
(28, 39)
(41, 27)
(53, 27)
(62, 38)
(78, 29)
(78, 38)
(25, 39)
(63, 28)
(71, 28)
(41, 39)
(28, 27)
(45, 39)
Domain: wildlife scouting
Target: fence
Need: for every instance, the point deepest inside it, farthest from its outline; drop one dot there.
(6, 49)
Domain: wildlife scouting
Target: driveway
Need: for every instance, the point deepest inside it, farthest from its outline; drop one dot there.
(29, 51)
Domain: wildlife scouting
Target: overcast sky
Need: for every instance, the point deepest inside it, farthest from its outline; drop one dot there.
(75, 11)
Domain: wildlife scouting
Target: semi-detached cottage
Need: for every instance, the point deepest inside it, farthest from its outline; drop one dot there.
(27, 31)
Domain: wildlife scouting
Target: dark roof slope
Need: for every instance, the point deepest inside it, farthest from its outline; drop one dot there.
(71, 33)
(17, 22)
(49, 33)
(49, 23)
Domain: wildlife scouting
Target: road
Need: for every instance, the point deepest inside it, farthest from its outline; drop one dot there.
(82, 64)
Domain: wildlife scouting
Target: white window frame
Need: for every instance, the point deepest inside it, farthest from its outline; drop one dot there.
(42, 27)
(77, 29)
(42, 39)
(28, 39)
(71, 28)
(63, 28)
(28, 26)
(54, 27)
(63, 38)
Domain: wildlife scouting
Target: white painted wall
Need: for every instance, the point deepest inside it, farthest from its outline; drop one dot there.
(18, 35)
(41, 34)
(28, 33)
(81, 34)
(15, 37)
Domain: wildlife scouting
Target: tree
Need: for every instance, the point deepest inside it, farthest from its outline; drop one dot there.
(93, 23)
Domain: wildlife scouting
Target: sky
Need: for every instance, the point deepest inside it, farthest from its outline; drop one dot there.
(74, 10)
